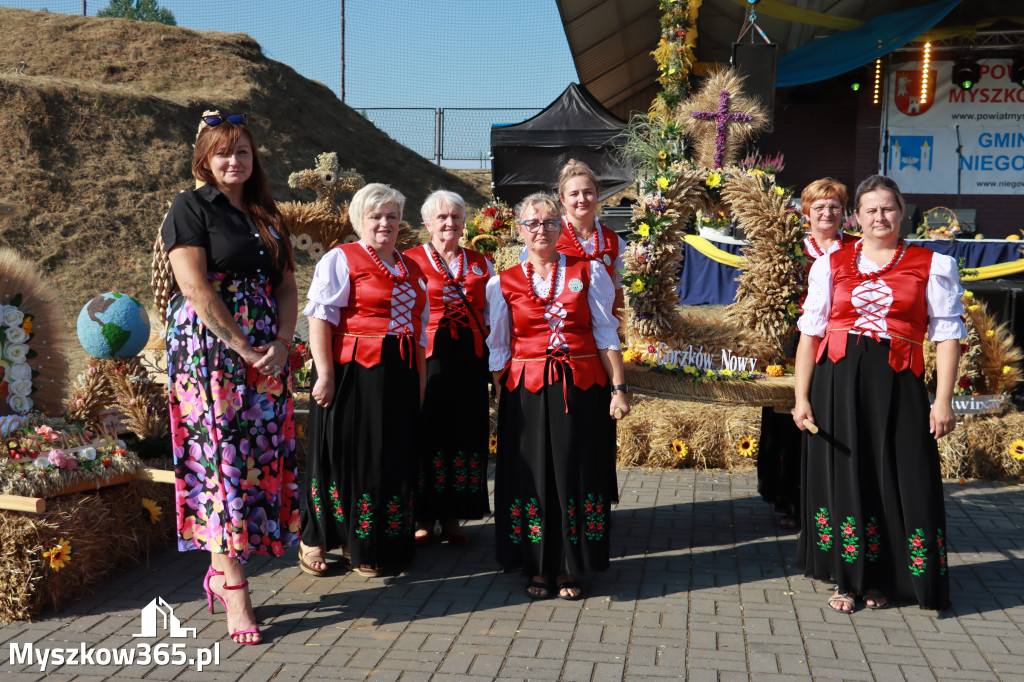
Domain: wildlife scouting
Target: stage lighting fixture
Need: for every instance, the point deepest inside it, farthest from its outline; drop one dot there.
(855, 84)
(926, 63)
(878, 81)
(1017, 69)
(966, 72)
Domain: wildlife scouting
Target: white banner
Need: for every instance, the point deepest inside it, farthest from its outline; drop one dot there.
(922, 141)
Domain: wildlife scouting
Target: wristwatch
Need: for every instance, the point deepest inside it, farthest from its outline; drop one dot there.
(620, 387)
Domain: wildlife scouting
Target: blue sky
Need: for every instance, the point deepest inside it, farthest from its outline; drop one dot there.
(400, 53)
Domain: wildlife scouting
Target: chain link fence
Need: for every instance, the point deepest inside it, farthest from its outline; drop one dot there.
(335, 42)
(446, 133)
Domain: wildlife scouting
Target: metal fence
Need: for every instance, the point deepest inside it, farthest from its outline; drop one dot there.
(445, 133)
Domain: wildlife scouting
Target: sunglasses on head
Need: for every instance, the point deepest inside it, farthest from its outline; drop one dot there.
(216, 119)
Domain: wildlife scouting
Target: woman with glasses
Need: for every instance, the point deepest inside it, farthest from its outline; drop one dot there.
(873, 512)
(554, 352)
(583, 236)
(229, 330)
(367, 313)
(452, 474)
(823, 203)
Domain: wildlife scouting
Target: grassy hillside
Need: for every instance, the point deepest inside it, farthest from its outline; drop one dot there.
(96, 138)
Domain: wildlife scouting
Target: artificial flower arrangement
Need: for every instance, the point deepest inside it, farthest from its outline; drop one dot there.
(490, 228)
(648, 360)
(45, 454)
(301, 360)
(16, 374)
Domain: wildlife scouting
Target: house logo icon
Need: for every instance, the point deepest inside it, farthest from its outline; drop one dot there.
(171, 624)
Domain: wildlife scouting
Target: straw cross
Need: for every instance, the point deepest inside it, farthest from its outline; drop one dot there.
(722, 117)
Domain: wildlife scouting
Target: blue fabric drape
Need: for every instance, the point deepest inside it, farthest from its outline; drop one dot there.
(844, 52)
(707, 282)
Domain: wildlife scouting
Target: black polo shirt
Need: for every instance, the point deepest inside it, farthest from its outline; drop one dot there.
(205, 217)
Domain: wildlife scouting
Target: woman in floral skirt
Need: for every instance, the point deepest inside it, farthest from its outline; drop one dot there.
(228, 338)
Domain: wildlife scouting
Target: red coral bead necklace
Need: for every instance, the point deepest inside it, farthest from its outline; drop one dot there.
(873, 276)
(554, 281)
(598, 253)
(820, 251)
(458, 269)
(395, 279)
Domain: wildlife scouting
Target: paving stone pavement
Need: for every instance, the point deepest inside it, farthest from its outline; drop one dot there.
(701, 586)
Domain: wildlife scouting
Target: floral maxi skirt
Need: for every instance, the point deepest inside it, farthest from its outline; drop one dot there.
(231, 429)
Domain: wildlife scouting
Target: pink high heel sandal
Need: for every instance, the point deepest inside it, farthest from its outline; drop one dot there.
(210, 594)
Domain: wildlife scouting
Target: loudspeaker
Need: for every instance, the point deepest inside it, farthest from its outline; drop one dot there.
(757, 61)
(968, 219)
(911, 219)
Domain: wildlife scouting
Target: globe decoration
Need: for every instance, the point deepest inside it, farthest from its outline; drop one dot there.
(113, 325)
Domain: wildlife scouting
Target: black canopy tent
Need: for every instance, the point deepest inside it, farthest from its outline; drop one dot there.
(527, 156)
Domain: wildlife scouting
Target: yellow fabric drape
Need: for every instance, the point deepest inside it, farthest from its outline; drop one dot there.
(997, 270)
(781, 10)
(706, 248)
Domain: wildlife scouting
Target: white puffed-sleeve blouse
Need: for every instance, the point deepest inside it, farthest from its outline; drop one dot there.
(330, 289)
(942, 292)
(600, 297)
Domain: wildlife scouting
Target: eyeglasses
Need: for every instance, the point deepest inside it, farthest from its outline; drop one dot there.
(827, 208)
(216, 119)
(534, 225)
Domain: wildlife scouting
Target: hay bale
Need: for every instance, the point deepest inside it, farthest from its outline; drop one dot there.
(984, 447)
(710, 434)
(106, 529)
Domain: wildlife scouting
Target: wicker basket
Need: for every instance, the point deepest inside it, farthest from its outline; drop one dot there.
(768, 392)
(163, 279)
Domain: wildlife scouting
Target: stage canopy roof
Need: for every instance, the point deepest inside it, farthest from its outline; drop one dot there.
(611, 40)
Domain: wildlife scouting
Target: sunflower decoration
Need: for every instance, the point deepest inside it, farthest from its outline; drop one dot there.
(59, 555)
(1016, 449)
(747, 446)
(679, 447)
(492, 444)
(154, 510)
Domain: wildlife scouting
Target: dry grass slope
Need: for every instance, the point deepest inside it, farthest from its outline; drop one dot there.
(96, 135)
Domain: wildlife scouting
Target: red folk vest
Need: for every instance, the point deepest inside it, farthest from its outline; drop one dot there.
(364, 322)
(474, 286)
(530, 332)
(906, 320)
(608, 248)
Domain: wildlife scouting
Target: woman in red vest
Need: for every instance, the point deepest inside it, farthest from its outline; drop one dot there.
(583, 235)
(367, 312)
(452, 474)
(873, 514)
(823, 202)
(554, 352)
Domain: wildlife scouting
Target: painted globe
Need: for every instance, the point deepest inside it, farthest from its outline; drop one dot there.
(113, 326)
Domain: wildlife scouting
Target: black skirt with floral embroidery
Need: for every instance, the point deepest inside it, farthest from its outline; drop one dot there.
(361, 461)
(873, 512)
(555, 478)
(455, 427)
